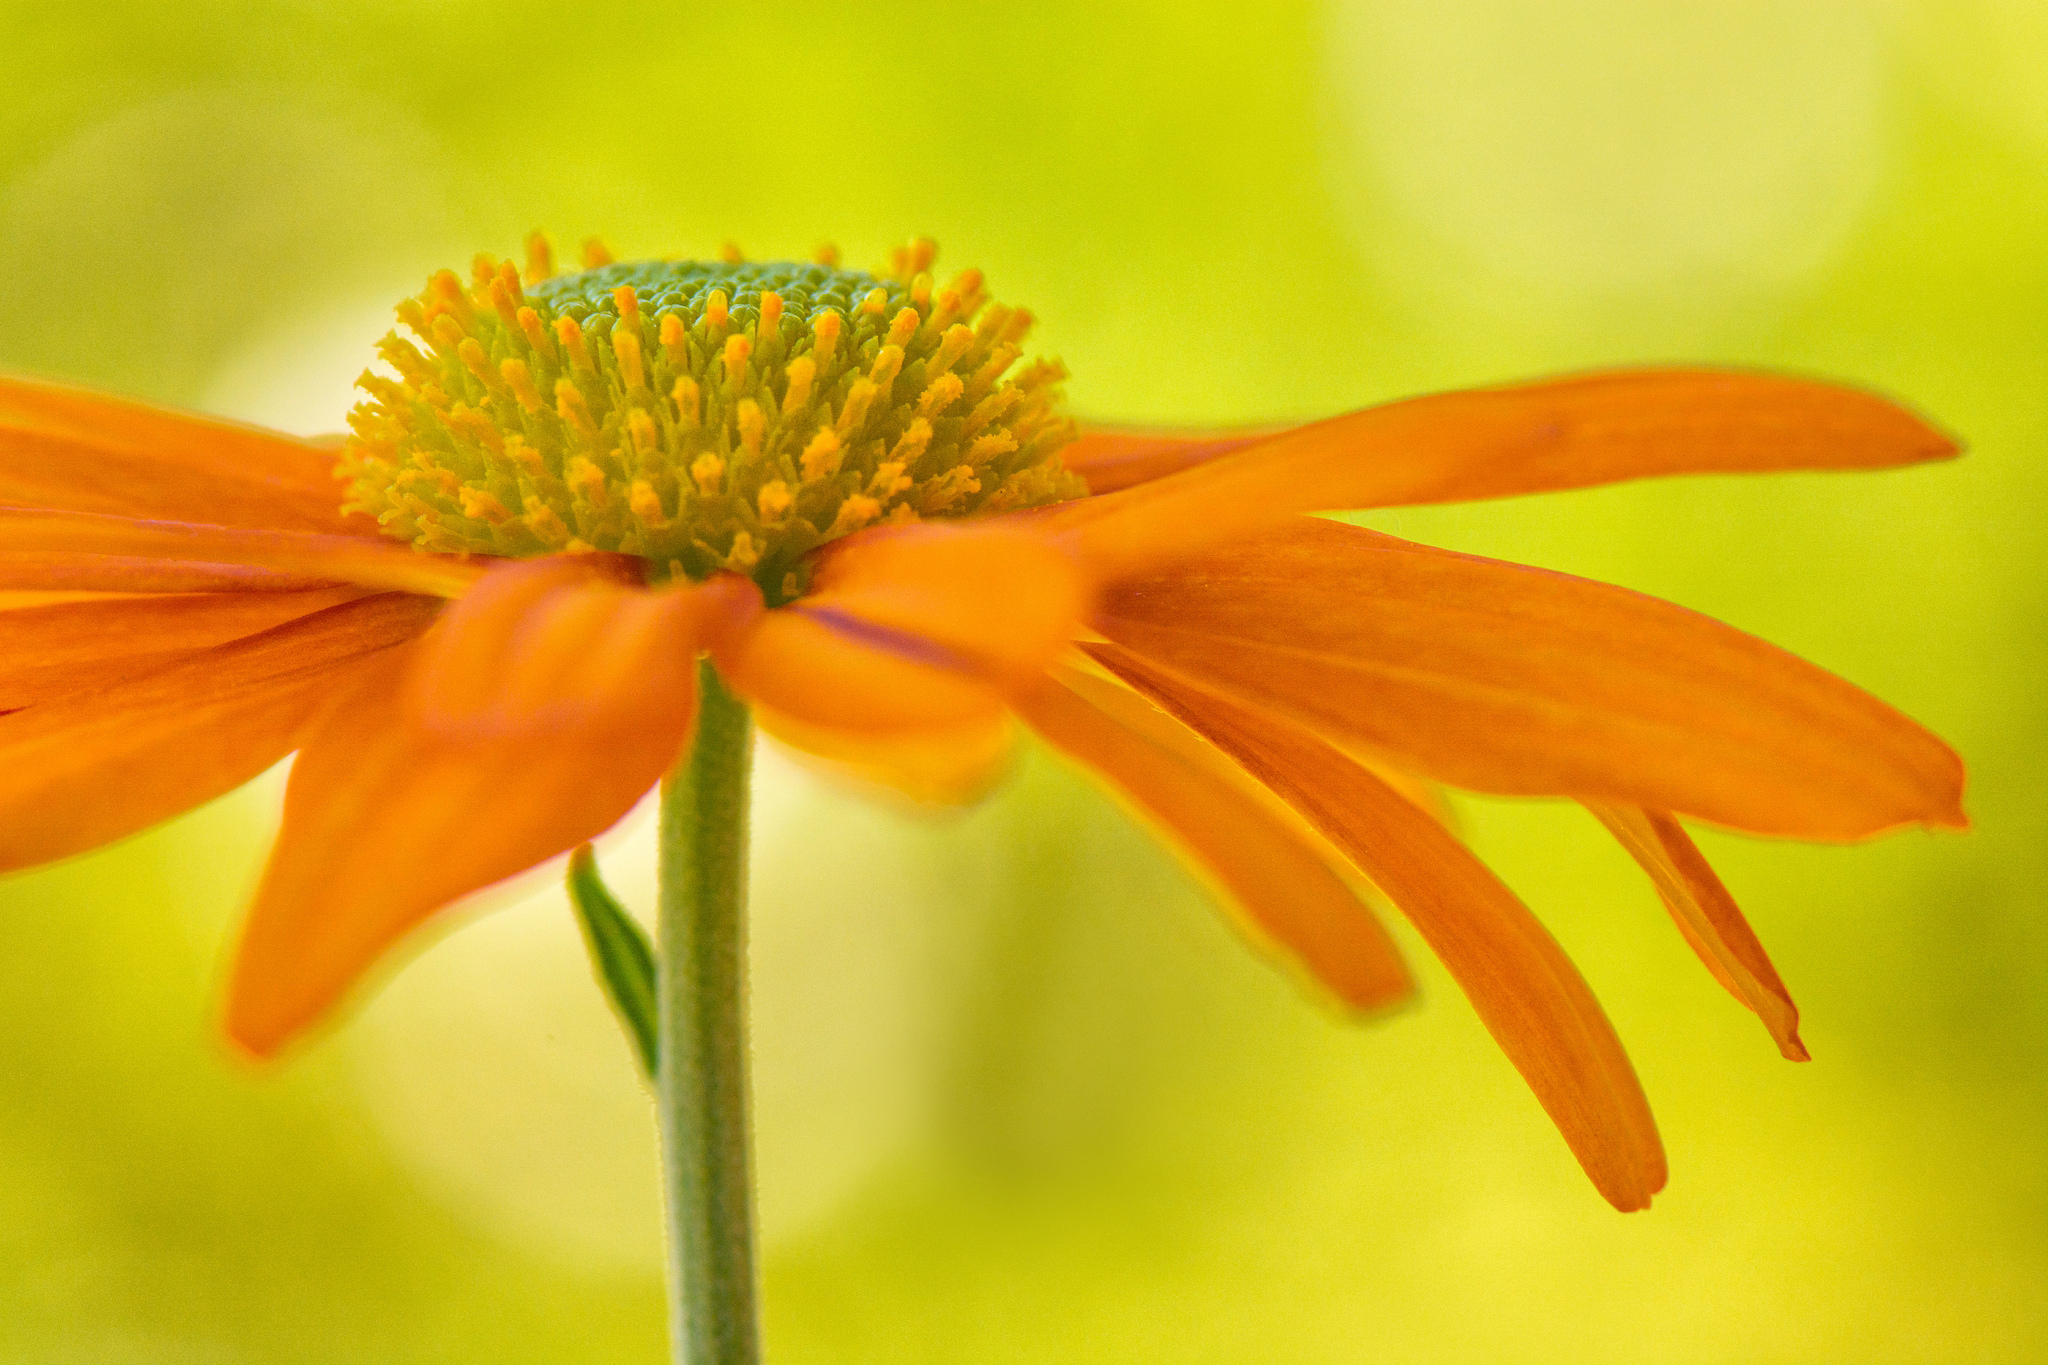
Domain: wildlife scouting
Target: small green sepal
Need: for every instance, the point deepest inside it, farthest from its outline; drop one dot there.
(620, 950)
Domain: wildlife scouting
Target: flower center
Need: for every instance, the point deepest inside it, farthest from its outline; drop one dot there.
(702, 415)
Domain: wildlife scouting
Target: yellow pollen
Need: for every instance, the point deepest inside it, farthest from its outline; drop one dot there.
(888, 364)
(700, 415)
(569, 402)
(708, 473)
(595, 253)
(856, 512)
(821, 457)
(626, 346)
(744, 558)
(826, 333)
(482, 506)
(674, 341)
(570, 337)
(646, 435)
(730, 253)
(519, 379)
(448, 294)
(951, 347)
(689, 409)
(737, 348)
(753, 425)
(855, 414)
(801, 372)
(827, 255)
(540, 259)
(505, 300)
(537, 337)
(646, 504)
(586, 479)
(774, 500)
(941, 394)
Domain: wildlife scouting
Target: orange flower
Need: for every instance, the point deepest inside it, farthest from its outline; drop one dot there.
(840, 489)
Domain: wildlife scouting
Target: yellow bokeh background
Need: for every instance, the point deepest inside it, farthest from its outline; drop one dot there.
(1022, 1096)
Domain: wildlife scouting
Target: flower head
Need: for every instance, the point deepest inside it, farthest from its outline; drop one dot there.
(890, 541)
(701, 416)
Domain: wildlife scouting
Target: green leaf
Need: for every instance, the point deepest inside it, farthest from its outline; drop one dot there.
(623, 956)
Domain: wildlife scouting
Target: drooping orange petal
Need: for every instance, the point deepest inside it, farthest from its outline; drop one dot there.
(1504, 678)
(368, 562)
(393, 813)
(997, 596)
(565, 644)
(47, 651)
(1263, 861)
(71, 448)
(912, 629)
(1110, 458)
(70, 572)
(90, 767)
(951, 766)
(1490, 443)
(1707, 916)
(1525, 990)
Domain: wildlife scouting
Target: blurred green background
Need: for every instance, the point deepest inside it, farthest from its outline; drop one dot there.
(1022, 1096)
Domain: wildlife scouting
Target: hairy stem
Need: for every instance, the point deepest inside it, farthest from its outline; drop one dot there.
(701, 1080)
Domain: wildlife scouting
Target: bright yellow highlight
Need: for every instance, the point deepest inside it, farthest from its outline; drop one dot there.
(701, 415)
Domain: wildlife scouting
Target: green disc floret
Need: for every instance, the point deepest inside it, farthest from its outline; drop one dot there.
(704, 415)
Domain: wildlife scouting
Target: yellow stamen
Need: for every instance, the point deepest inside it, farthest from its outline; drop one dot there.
(821, 457)
(519, 379)
(596, 253)
(570, 337)
(708, 473)
(540, 259)
(753, 425)
(674, 341)
(689, 403)
(797, 397)
(856, 512)
(737, 349)
(626, 347)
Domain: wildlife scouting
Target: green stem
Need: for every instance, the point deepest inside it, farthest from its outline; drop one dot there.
(701, 1081)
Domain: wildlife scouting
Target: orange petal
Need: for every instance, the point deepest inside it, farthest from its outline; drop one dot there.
(998, 597)
(366, 561)
(71, 448)
(1511, 679)
(1707, 916)
(91, 767)
(71, 572)
(567, 644)
(914, 628)
(392, 814)
(1110, 458)
(1490, 443)
(954, 766)
(46, 651)
(1264, 861)
(1525, 990)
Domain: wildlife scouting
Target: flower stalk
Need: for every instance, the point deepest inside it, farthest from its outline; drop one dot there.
(701, 1076)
